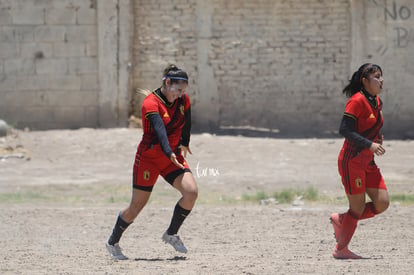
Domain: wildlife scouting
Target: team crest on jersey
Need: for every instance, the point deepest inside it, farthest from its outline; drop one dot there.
(146, 175)
(371, 115)
(166, 115)
(182, 109)
(358, 182)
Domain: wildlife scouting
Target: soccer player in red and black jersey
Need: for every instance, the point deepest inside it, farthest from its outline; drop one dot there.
(166, 120)
(360, 125)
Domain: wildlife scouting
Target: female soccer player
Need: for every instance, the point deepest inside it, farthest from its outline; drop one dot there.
(166, 120)
(360, 125)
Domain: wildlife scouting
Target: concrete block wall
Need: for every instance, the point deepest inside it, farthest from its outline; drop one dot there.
(264, 64)
(387, 39)
(277, 65)
(49, 63)
(267, 64)
(164, 33)
(281, 64)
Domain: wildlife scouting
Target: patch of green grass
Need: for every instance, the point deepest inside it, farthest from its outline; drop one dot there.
(69, 194)
(260, 195)
(288, 195)
(311, 194)
(285, 196)
(19, 197)
(104, 193)
(402, 198)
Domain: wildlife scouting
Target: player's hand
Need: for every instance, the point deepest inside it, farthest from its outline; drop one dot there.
(185, 149)
(377, 149)
(380, 139)
(174, 160)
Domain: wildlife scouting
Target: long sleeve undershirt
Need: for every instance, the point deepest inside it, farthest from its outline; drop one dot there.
(161, 133)
(347, 129)
(185, 134)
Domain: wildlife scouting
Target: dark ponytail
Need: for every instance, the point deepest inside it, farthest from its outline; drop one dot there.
(174, 74)
(355, 84)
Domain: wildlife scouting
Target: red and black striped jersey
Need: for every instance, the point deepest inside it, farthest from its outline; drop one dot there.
(367, 116)
(172, 115)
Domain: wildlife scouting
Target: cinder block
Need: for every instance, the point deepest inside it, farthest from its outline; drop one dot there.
(19, 67)
(82, 33)
(50, 33)
(27, 14)
(82, 4)
(64, 83)
(5, 17)
(91, 48)
(83, 65)
(28, 114)
(8, 50)
(72, 115)
(89, 82)
(72, 98)
(91, 117)
(18, 99)
(35, 82)
(69, 49)
(52, 66)
(24, 33)
(36, 50)
(86, 16)
(59, 15)
(7, 82)
(7, 35)
(13, 34)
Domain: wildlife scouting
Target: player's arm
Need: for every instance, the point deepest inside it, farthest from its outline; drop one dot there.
(185, 134)
(160, 131)
(348, 130)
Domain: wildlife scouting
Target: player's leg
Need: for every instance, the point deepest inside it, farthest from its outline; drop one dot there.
(354, 182)
(145, 175)
(380, 199)
(377, 191)
(184, 182)
(125, 218)
(348, 226)
(336, 218)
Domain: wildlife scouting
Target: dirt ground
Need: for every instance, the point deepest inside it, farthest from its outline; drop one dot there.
(60, 192)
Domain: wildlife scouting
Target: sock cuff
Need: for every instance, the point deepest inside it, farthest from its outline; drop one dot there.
(181, 210)
(353, 214)
(122, 221)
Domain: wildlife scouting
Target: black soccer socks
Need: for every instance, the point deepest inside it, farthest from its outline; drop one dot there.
(177, 220)
(119, 228)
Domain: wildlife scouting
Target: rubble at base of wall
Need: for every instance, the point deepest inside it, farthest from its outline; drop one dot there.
(12, 147)
(4, 128)
(134, 122)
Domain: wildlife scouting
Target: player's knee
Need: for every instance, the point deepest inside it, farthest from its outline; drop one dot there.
(191, 194)
(382, 205)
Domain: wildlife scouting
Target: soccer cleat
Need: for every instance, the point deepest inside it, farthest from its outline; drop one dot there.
(336, 223)
(115, 251)
(175, 241)
(345, 253)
